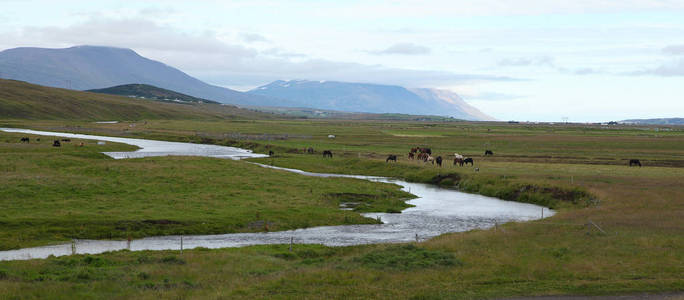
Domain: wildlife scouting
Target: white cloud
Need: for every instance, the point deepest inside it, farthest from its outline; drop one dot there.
(403, 49)
(674, 50)
(253, 37)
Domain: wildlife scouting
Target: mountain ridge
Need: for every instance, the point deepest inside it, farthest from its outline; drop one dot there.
(371, 98)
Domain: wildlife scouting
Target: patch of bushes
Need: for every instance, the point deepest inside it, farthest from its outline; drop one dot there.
(407, 257)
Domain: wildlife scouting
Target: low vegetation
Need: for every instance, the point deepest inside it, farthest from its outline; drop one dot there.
(617, 229)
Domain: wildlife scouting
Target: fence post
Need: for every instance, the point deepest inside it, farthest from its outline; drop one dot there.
(291, 242)
(73, 246)
(181, 248)
(542, 213)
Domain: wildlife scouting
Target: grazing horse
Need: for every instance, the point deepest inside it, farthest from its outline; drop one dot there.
(468, 160)
(414, 150)
(488, 152)
(56, 143)
(423, 156)
(391, 158)
(310, 150)
(430, 159)
(458, 160)
(634, 162)
(411, 155)
(24, 140)
(439, 161)
(270, 153)
(426, 150)
(327, 153)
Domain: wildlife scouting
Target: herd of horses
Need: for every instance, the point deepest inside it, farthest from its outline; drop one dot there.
(419, 153)
(425, 155)
(55, 143)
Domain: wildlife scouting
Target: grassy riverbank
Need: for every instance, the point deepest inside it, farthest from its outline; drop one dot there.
(55, 194)
(633, 243)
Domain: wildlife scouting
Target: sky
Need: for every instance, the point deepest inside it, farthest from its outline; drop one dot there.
(525, 60)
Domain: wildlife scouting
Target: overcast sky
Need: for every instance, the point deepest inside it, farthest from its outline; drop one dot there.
(537, 60)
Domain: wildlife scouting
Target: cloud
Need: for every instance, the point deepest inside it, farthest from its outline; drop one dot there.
(253, 37)
(674, 50)
(209, 58)
(403, 49)
(671, 69)
(490, 96)
(545, 61)
(527, 61)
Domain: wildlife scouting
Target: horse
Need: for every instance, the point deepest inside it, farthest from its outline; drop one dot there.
(430, 159)
(488, 152)
(634, 162)
(327, 153)
(411, 155)
(468, 160)
(25, 140)
(414, 150)
(391, 158)
(56, 143)
(270, 153)
(426, 150)
(439, 161)
(310, 150)
(423, 156)
(458, 160)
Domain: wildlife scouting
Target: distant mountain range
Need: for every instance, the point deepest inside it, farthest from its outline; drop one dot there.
(95, 67)
(371, 98)
(661, 121)
(147, 91)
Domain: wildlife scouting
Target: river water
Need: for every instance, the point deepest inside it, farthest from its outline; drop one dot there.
(437, 211)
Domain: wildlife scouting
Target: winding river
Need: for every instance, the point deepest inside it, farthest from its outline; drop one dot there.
(437, 211)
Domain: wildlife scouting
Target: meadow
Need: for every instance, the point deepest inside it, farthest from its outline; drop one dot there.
(617, 230)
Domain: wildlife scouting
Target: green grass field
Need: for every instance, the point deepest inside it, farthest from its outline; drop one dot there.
(641, 211)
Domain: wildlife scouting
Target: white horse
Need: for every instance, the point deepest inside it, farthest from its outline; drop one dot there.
(456, 155)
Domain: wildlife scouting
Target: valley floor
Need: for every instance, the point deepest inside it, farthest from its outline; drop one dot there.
(640, 211)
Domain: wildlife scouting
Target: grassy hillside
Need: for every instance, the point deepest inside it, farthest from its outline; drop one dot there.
(21, 100)
(147, 91)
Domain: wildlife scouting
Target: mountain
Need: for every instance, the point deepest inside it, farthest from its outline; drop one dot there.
(146, 91)
(371, 98)
(21, 100)
(95, 67)
(661, 121)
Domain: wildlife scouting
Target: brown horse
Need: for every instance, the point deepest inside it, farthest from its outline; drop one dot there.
(459, 161)
(411, 155)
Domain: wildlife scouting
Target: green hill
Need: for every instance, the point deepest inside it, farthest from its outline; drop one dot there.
(21, 100)
(147, 91)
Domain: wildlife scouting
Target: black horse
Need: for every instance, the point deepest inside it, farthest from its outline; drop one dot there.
(56, 143)
(634, 162)
(327, 153)
(25, 140)
(439, 160)
(270, 153)
(468, 160)
(488, 152)
(391, 158)
(310, 150)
